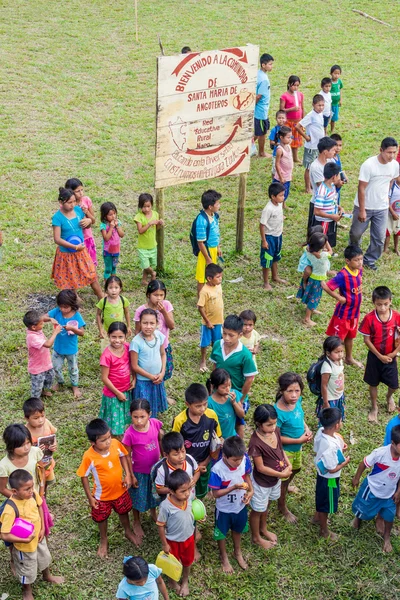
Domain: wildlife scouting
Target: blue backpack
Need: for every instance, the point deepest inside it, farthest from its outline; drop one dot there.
(193, 238)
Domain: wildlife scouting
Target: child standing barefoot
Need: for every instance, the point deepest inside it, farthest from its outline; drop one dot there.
(293, 429)
(142, 439)
(148, 361)
(147, 221)
(271, 227)
(85, 203)
(112, 233)
(283, 171)
(224, 401)
(271, 465)
(118, 380)
(250, 338)
(112, 308)
(292, 103)
(142, 581)
(332, 376)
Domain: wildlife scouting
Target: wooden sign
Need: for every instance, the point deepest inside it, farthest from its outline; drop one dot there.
(205, 111)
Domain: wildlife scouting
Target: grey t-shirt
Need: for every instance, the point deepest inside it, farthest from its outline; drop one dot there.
(179, 522)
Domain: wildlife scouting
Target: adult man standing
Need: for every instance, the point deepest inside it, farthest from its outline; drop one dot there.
(263, 96)
(372, 200)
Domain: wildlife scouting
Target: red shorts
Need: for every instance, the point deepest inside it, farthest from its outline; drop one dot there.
(388, 234)
(345, 329)
(183, 551)
(121, 505)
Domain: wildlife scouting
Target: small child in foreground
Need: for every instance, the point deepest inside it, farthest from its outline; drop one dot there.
(232, 488)
(141, 581)
(271, 227)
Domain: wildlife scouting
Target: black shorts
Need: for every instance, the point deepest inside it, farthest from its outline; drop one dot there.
(327, 492)
(261, 127)
(377, 372)
(329, 228)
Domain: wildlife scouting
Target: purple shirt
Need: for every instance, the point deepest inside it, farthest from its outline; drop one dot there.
(144, 446)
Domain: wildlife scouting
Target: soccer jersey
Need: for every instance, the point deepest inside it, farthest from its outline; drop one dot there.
(335, 91)
(197, 436)
(349, 284)
(394, 198)
(189, 465)
(222, 477)
(382, 334)
(385, 474)
(105, 470)
(328, 450)
(325, 200)
(177, 520)
(239, 363)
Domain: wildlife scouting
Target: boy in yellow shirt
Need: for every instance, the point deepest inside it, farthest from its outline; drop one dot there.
(211, 307)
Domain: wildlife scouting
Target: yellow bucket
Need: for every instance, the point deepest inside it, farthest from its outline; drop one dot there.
(170, 565)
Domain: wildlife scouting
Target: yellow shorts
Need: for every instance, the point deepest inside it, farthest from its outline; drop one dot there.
(201, 264)
(295, 460)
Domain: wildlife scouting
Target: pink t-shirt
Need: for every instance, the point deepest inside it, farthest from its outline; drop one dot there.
(86, 203)
(291, 100)
(144, 445)
(39, 359)
(120, 370)
(160, 319)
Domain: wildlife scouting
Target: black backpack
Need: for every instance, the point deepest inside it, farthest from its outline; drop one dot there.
(193, 240)
(314, 376)
(14, 507)
(153, 474)
(104, 306)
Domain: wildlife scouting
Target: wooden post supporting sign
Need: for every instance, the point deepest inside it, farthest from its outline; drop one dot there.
(240, 212)
(160, 230)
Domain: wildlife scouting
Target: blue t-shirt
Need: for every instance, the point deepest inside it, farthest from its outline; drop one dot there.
(263, 88)
(226, 414)
(66, 342)
(392, 423)
(148, 591)
(149, 353)
(201, 231)
(273, 136)
(69, 226)
(291, 424)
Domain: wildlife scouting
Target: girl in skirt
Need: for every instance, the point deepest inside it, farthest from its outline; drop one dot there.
(72, 268)
(292, 102)
(85, 203)
(142, 440)
(148, 360)
(310, 290)
(118, 380)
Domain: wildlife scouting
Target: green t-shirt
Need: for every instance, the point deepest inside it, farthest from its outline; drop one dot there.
(112, 312)
(335, 91)
(147, 240)
(239, 363)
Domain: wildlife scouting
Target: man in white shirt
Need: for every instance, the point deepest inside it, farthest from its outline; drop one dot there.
(372, 200)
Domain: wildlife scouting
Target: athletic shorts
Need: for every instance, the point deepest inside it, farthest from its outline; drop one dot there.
(224, 522)
(327, 492)
(209, 336)
(286, 185)
(335, 112)
(377, 372)
(273, 254)
(309, 156)
(296, 460)
(261, 127)
(147, 258)
(366, 506)
(343, 328)
(121, 505)
(27, 564)
(202, 483)
(262, 495)
(183, 551)
(326, 121)
(201, 264)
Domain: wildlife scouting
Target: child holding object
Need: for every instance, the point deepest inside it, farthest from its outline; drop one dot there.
(147, 221)
(141, 581)
(112, 232)
(85, 203)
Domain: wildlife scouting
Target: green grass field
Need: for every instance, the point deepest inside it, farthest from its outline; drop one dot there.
(78, 99)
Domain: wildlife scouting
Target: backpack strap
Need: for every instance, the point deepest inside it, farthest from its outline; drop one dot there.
(102, 310)
(13, 506)
(190, 461)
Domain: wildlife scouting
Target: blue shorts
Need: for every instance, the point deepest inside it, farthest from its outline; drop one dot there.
(327, 492)
(335, 112)
(224, 522)
(261, 127)
(326, 121)
(366, 506)
(273, 254)
(209, 336)
(286, 185)
(246, 406)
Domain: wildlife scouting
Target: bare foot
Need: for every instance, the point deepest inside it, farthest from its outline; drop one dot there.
(132, 537)
(397, 252)
(314, 520)
(184, 591)
(27, 595)
(56, 387)
(241, 562)
(138, 531)
(144, 281)
(268, 287)
(54, 579)
(203, 367)
(293, 489)
(174, 585)
(373, 416)
(317, 312)
(329, 535)
(356, 523)
(197, 555)
(308, 322)
(289, 517)
(198, 535)
(46, 394)
(279, 280)
(387, 546)
(171, 401)
(264, 155)
(391, 407)
(77, 392)
(267, 545)
(380, 525)
(353, 362)
(308, 191)
(272, 537)
(103, 550)
(226, 566)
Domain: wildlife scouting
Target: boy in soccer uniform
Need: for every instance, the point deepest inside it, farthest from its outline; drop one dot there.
(231, 487)
(176, 457)
(380, 330)
(348, 282)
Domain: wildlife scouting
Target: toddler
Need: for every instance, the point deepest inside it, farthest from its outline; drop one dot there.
(211, 308)
(141, 581)
(39, 427)
(112, 232)
(147, 221)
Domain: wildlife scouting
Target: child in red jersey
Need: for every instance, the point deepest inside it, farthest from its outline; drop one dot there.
(380, 329)
(348, 282)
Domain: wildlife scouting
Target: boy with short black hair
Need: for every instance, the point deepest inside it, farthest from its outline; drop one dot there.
(263, 97)
(250, 338)
(327, 212)
(380, 329)
(311, 128)
(326, 85)
(211, 307)
(329, 460)
(175, 457)
(232, 488)
(105, 461)
(336, 94)
(176, 526)
(380, 491)
(343, 176)
(230, 354)
(348, 282)
(40, 367)
(273, 135)
(207, 235)
(271, 227)
(28, 554)
(199, 426)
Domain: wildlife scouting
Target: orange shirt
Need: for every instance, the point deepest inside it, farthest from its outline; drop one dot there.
(105, 470)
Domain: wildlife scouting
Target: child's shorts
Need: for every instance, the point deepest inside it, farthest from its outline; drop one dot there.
(296, 460)
(262, 495)
(286, 185)
(326, 121)
(392, 226)
(183, 551)
(309, 156)
(377, 372)
(335, 112)
(209, 336)
(343, 328)
(246, 406)
(224, 522)
(366, 506)
(201, 264)
(327, 492)
(147, 258)
(202, 483)
(27, 564)
(261, 127)
(121, 505)
(273, 254)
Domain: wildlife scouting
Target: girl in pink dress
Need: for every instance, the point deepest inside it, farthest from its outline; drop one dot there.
(292, 102)
(76, 186)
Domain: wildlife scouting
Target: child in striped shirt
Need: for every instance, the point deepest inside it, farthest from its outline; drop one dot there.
(327, 212)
